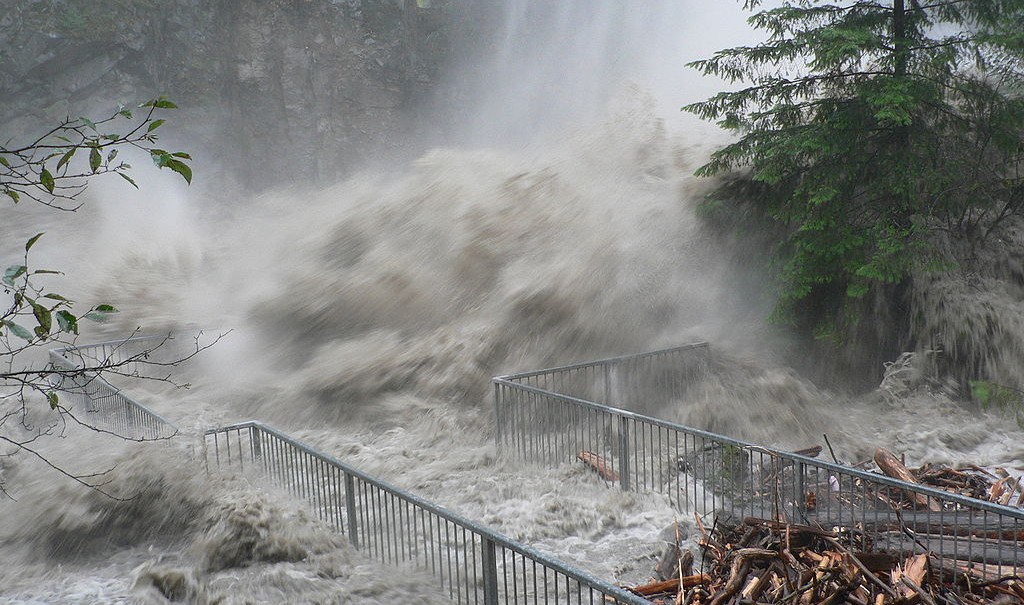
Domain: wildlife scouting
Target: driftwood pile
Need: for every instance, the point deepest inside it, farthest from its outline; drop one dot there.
(760, 561)
(765, 562)
(996, 486)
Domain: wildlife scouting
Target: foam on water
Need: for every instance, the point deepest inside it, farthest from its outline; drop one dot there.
(369, 316)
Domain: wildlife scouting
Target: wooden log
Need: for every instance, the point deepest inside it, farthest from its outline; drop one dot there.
(598, 463)
(737, 575)
(914, 569)
(675, 562)
(875, 561)
(959, 522)
(856, 562)
(810, 452)
(994, 552)
(753, 588)
(983, 572)
(669, 586)
(891, 466)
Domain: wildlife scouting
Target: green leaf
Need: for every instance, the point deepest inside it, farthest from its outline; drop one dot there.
(66, 158)
(88, 122)
(95, 159)
(43, 316)
(4, 162)
(32, 241)
(14, 272)
(112, 155)
(181, 154)
(182, 169)
(14, 195)
(128, 178)
(54, 400)
(18, 331)
(66, 321)
(159, 157)
(161, 103)
(46, 179)
(101, 313)
(54, 296)
(155, 124)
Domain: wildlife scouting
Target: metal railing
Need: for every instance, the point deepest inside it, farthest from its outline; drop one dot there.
(99, 403)
(553, 416)
(123, 352)
(472, 563)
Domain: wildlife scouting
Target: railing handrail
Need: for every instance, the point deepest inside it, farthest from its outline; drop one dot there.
(57, 358)
(508, 380)
(479, 529)
(104, 343)
(78, 354)
(601, 362)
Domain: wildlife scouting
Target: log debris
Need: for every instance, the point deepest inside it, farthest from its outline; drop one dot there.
(891, 466)
(769, 562)
(599, 464)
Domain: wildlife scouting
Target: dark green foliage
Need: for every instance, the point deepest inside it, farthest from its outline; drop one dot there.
(869, 127)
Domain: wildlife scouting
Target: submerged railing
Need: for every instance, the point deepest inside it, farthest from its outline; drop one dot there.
(473, 563)
(594, 410)
(100, 403)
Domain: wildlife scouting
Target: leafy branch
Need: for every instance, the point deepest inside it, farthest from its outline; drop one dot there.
(54, 168)
(80, 379)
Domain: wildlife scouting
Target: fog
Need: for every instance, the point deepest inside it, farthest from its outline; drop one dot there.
(552, 221)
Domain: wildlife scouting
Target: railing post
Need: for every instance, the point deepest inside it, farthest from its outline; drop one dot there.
(607, 384)
(350, 508)
(490, 564)
(257, 444)
(623, 454)
(801, 497)
(498, 422)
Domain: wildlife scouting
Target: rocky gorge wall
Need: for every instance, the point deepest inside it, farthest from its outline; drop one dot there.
(305, 90)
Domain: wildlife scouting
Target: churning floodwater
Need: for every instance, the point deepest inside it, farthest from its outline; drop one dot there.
(367, 318)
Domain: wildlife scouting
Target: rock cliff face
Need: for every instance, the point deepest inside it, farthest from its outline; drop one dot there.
(296, 89)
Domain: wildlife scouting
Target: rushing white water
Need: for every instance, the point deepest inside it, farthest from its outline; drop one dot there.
(369, 316)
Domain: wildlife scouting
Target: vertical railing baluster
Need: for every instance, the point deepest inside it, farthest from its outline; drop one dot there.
(623, 453)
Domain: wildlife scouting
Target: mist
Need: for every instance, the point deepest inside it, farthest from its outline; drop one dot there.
(528, 201)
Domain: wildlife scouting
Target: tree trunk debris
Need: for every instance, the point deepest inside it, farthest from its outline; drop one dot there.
(892, 467)
(599, 464)
(760, 561)
(766, 562)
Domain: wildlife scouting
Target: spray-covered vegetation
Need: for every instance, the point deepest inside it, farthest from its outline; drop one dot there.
(871, 132)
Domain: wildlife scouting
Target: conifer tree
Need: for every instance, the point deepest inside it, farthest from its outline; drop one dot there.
(866, 127)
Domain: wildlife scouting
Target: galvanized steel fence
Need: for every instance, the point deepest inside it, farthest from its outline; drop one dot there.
(99, 403)
(553, 416)
(472, 563)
